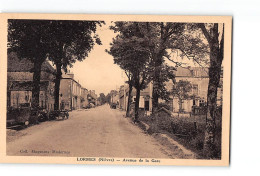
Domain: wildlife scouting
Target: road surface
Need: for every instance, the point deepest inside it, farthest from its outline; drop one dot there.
(97, 132)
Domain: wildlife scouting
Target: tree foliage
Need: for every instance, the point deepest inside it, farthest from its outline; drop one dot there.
(29, 39)
(130, 51)
(62, 41)
(182, 90)
(71, 41)
(102, 98)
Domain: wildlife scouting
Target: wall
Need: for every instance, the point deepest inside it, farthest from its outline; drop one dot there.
(65, 90)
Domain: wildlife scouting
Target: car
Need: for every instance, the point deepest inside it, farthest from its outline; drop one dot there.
(18, 117)
(56, 114)
(43, 115)
(113, 105)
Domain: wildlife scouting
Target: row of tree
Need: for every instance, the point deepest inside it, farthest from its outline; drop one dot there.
(142, 48)
(62, 42)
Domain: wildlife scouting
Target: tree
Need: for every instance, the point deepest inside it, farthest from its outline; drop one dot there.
(162, 36)
(130, 85)
(108, 98)
(70, 41)
(216, 45)
(29, 39)
(199, 48)
(102, 98)
(130, 52)
(182, 90)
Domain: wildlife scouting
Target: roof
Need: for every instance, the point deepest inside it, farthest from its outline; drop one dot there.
(26, 85)
(15, 64)
(198, 72)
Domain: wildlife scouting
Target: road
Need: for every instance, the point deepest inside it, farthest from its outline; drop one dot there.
(97, 132)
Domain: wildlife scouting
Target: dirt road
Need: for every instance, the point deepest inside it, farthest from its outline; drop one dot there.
(97, 132)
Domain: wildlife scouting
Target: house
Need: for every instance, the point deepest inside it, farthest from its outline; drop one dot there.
(20, 79)
(84, 97)
(145, 101)
(74, 95)
(70, 92)
(92, 97)
(199, 79)
(114, 96)
(196, 76)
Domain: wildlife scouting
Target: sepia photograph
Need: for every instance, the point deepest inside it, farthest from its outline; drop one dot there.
(104, 89)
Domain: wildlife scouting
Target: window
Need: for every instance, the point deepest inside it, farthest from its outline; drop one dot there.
(201, 103)
(195, 89)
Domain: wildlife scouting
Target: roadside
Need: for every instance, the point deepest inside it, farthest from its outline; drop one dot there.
(14, 134)
(180, 132)
(174, 148)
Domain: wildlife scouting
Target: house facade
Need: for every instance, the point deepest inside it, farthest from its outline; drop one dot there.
(70, 92)
(196, 76)
(92, 97)
(115, 97)
(199, 80)
(145, 101)
(20, 79)
(84, 97)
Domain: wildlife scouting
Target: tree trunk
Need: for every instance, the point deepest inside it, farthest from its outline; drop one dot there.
(156, 82)
(180, 105)
(155, 99)
(209, 142)
(57, 86)
(36, 83)
(216, 58)
(129, 100)
(137, 104)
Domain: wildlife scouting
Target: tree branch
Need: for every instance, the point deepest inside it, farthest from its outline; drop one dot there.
(205, 32)
(195, 59)
(178, 64)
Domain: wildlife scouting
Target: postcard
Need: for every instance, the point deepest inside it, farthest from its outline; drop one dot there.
(115, 89)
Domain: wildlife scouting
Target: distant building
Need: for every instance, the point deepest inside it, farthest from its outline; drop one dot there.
(199, 79)
(20, 79)
(197, 76)
(145, 101)
(84, 97)
(70, 92)
(92, 97)
(114, 96)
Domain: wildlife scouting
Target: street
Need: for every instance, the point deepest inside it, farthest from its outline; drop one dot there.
(96, 132)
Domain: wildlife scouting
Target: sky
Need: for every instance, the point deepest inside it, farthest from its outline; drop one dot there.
(98, 71)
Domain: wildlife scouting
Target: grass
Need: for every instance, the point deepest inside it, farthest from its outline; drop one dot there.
(188, 131)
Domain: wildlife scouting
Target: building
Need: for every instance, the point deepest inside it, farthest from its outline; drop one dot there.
(114, 97)
(145, 101)
(84, 97)
(70, 92)
(20, 79)
(198, 78)
(92, 97)
(73, 95)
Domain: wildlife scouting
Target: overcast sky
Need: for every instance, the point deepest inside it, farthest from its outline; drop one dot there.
(98, 71)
